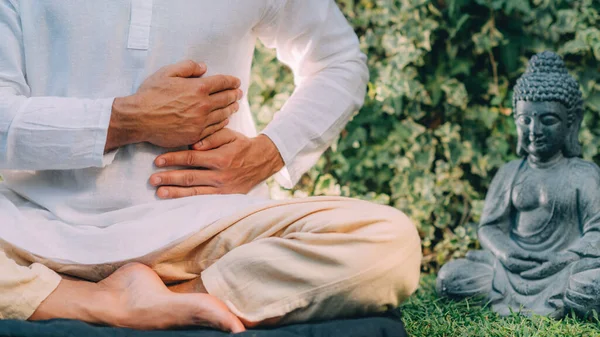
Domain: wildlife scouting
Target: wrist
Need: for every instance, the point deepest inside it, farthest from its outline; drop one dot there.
(270, 153)
(125, 127)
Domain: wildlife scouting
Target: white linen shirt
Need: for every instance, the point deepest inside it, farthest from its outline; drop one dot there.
(62, 63)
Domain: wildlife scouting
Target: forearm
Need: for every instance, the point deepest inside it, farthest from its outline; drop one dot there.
(588, 245)
(310, 122)
(53, 133)
(495, 240)
(43, 133)
(331, 75)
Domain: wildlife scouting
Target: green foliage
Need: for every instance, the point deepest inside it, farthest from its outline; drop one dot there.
(437, 121)
(426, 314)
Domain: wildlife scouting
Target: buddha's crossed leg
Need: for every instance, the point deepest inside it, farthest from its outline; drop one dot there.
(583, 290)
(467, 277)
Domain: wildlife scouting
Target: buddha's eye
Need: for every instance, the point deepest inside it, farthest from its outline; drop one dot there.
(549, 120)
(525, 120)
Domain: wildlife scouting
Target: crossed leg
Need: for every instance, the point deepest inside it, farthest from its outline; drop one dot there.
(292, 261)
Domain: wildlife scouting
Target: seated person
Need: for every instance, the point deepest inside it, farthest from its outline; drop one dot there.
(104, 204)
(540, 227)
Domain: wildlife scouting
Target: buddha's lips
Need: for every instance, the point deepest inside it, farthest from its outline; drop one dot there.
(538, 141)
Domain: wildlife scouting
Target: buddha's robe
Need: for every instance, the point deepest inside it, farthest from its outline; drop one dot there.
(572, 206)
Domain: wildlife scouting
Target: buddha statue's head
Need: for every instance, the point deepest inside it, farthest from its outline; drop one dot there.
(548, 109)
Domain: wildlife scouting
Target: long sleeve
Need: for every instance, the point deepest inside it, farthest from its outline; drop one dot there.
(22, 289)
(314, 39)
(43, 133)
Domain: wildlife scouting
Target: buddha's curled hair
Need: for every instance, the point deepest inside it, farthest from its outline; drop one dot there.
(547, 80)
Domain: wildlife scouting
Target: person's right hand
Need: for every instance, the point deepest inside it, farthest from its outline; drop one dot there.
(176, 106)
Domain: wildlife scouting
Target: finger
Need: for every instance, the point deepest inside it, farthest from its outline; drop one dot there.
(522, 265)
(535, 257)
(529, 256)
(172, 192)
(533, 273)
(185, 178)
(186, 68)
(189, 158)
(220, 83)
(216, 140)
(211, 129)
(218, 116)
(225, 98)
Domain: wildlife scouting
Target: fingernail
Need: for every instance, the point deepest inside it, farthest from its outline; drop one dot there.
(156, 181)
(240, 94)
(163, 193)
(161, 162)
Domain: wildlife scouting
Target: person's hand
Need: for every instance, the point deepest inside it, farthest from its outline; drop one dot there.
(226, 162)
(555, 263)
(174, 107)
(135, 297)
(518, 260)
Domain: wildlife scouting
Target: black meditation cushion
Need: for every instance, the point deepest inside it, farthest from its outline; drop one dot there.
(383, 326)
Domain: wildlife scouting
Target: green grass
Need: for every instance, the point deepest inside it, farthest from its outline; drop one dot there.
(424, 314)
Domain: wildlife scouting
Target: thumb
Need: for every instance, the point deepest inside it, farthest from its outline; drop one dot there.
(217, 139)
(187, 68)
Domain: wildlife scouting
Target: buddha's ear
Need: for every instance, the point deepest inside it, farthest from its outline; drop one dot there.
(570, 118)
(572, 147)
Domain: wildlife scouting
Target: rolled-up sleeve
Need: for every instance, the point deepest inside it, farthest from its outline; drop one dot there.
(23, 289)
(315, 40)
(43, 133)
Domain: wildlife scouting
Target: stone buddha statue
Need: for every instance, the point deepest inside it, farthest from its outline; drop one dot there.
(540, 228)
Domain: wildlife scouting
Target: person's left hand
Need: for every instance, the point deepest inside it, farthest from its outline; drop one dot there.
(554, 264)
(226, 162)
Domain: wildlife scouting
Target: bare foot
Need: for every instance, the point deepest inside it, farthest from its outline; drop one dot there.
(148, 304)
(134, 297)
(197, 286)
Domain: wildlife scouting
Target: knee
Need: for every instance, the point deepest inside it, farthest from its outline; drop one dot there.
(396, 226)
(403, 241)
(463, 278)
(385, 227)
(390, 250)
(444, 283)
(404, 248)
(583, 292)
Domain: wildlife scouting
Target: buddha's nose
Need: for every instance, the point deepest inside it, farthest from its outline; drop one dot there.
(535, 129)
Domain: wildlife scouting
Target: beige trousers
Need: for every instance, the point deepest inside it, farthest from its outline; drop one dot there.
(299, 259)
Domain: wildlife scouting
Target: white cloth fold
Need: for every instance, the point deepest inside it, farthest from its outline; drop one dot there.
(62, 63)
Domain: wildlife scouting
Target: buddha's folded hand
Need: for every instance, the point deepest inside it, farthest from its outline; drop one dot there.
(556, 262)
(518, 260)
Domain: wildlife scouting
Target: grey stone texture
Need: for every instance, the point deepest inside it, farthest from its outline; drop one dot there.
(540, 228)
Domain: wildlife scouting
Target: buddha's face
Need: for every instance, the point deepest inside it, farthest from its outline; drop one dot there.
(542, 128)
